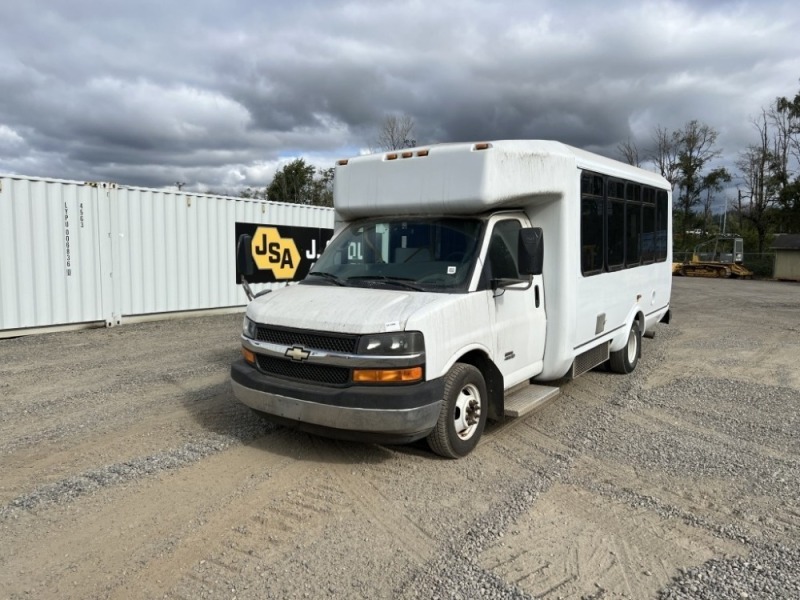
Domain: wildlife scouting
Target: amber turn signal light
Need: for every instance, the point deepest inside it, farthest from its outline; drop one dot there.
(249, 355)
(387, 375)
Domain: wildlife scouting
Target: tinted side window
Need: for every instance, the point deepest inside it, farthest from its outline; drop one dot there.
(616, 235)
(662, 213)
(502, 254)
(633, 232)
(648, 233)
(592, 217)
(623, 224)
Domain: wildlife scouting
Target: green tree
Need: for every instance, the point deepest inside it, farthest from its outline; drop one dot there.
(791, 110)
(254, 193)
(293, 183)
(298, 183)
(789, 201)
(786, 118)
(322, 188)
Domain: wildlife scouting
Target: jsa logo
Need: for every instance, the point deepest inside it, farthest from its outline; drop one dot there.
(273, 252)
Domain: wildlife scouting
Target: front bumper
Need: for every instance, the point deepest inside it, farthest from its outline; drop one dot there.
(399, 413)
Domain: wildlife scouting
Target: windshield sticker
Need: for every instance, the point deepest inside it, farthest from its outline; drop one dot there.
(451, 270)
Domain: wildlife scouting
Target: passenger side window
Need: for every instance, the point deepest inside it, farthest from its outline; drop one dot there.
(592, 216)
(502, 254)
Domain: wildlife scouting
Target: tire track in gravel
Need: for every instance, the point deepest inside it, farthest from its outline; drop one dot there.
(334, 488)
(365, 493)
(293, 503)
(145, 536)
(573, 543)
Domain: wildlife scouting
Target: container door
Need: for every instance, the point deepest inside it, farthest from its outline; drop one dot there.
(51, 234)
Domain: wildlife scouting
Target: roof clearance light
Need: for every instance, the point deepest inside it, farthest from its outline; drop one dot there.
(422, 153)
(392, 156)
(407, 154)
(482, 146)
(342, 162)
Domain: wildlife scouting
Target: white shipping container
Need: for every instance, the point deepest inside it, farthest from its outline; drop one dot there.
(78, 254)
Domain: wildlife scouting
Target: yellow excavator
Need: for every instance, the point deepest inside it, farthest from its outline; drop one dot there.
(721, 256)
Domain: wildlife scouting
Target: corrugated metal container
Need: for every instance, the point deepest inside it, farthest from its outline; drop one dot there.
(51, 253)
(76, 253)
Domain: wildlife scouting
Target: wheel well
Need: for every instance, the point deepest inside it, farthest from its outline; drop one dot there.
(493, 378)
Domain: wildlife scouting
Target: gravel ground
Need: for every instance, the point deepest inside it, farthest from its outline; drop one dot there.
(128, 470)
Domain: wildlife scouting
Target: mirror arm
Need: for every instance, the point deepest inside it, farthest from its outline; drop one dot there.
(502, 283)
(247, 290)
(527, 287)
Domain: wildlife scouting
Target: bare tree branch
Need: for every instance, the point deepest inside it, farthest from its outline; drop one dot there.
(396, 133)
(665, 155)
(629, 152)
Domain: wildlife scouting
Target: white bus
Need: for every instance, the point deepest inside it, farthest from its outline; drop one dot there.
(458, 278)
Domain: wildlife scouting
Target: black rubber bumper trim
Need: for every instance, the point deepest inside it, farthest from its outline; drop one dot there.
(369, 437)
(390, 397)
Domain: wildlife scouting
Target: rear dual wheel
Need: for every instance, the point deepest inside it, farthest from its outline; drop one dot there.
(626, 359)
(463, 414)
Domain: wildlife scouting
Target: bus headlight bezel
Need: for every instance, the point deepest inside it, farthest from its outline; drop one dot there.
(396, 343)
(249, 328)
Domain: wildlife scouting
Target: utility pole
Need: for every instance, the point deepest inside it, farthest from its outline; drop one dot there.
(725, 214)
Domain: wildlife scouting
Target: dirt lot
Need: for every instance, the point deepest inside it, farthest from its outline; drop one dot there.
(128, 470)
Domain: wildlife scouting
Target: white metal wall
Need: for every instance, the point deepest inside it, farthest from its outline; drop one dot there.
(75, 253)
(787, 264)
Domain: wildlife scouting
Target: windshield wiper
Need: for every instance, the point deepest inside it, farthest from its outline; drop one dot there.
(400, 281)
(329, 276)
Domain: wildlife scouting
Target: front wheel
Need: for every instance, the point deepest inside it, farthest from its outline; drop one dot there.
(463, 414)
(626, 359)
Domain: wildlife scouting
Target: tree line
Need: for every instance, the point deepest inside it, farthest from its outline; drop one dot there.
(767, 175)
(297, 183)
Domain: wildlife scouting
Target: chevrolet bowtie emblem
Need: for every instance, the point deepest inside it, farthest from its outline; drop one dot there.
(297, 353)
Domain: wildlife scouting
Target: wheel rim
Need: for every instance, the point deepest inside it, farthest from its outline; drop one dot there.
(467, 414)
(632, 342)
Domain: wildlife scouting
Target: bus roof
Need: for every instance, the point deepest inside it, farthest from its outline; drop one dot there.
(468, 178)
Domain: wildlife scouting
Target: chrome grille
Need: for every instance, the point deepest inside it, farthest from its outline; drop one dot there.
(307, 339)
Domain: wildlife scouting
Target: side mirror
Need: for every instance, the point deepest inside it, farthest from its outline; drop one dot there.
(531, 251)
(245, 265)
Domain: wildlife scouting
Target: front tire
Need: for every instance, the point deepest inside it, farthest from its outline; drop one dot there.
(463, 414)
(625, 360)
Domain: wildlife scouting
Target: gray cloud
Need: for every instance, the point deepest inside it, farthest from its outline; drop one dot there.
(220, 93)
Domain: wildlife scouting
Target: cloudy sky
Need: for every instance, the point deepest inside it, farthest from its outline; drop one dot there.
(220, 93)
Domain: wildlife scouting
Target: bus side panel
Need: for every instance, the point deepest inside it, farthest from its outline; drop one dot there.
(561, 256)
(608, 301)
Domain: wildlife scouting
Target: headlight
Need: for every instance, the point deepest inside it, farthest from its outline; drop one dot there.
(249, 328)
(387, 344)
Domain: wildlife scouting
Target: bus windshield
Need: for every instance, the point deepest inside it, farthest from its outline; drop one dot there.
(415, 253)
